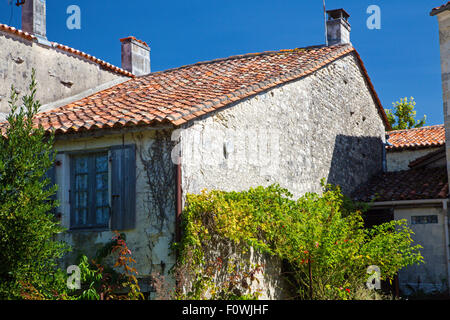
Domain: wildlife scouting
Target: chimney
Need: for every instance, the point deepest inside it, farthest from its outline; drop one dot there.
(34, 18)
(135, 56)
(338, 27)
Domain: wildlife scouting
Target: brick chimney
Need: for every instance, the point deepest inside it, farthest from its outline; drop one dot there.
(338, 27)
(135, 56)
(34, 18)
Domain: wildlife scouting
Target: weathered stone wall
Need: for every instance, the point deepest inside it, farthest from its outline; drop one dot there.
(444, 39)
(58, 73)
(155, 226)
(432, 275)
(399, 160)
(325, 125)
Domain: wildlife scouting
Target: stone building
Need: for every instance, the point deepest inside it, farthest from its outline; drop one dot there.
(415, 186)
(133, 145)
(406, 146)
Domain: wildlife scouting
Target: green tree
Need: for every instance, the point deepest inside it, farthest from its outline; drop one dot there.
(403, 115)
(28, 249)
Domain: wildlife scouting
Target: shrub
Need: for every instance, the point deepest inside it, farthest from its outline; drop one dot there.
(321, 238)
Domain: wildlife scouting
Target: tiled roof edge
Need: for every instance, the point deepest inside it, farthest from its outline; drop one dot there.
(421, 128)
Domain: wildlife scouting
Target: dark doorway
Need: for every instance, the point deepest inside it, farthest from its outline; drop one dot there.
(376, 217)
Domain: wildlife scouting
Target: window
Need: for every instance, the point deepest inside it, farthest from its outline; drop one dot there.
(103, 189)
(90, 191)
(424, 219)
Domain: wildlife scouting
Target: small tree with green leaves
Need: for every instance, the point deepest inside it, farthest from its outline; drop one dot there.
(403, 115)
(28, 249)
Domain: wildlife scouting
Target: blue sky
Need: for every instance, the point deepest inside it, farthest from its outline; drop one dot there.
(402, 57)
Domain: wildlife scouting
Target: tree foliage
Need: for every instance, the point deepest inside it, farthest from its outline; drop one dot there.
(321, 237)
(403, 115)
(28, 251)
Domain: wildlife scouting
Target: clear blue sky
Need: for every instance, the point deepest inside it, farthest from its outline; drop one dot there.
(402, 58)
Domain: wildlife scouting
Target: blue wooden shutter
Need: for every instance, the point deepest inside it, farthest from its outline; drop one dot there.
(123, 187)
(51, 175)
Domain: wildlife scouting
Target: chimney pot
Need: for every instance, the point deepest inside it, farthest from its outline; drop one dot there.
(338, 27)
(135, 56)
(34, 18)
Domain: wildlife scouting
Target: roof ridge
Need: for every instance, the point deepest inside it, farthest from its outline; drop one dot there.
(415, 129)
(244, 55)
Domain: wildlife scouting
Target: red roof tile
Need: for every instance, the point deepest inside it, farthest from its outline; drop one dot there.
(414, 184)
(425, 137)
(181, 94)
(101, 63)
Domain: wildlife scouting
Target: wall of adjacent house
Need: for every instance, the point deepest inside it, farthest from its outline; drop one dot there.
(399, 160)
(433, 274)
(155, 227)
(325, 125)
(59, 74)
(444, 39)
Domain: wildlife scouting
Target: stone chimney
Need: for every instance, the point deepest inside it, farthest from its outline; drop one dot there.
(443, 16)
(135, 56)
(338, 27)
(34, 18)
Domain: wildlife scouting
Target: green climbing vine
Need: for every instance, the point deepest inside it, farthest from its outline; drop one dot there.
(320, 237)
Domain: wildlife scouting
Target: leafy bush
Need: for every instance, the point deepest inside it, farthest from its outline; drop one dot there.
(28, 251)
(321, 238)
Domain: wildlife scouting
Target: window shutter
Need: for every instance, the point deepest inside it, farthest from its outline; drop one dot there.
(51, 175)
(123, 187)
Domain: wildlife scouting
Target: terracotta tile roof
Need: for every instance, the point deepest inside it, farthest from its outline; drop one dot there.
(101, 63)
(425, 137)
(414, 184)
(179, 95)
(432, 156)
(17, 32)
(439, 9)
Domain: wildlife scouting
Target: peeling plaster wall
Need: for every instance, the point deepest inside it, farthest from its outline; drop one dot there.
(59, 74)
(399, 160)
(150, 240)
(325, 125)
(432, 275)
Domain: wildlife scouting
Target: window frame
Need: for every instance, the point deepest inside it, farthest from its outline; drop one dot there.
(91, 201)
